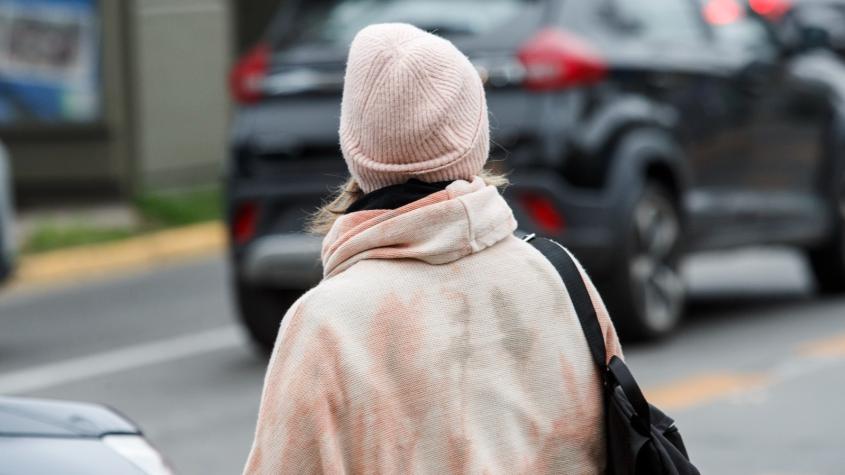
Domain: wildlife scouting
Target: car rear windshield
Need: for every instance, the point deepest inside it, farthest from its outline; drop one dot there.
(335, 22)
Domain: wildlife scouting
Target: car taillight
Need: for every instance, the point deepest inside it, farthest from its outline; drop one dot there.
(555, 59)
(723, 12)
(771, 9)
(245, 223)
(543, 213)
(248, 75)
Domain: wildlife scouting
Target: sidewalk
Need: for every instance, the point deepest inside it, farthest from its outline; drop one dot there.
(105, 215)
(91, 261)
(100, 260)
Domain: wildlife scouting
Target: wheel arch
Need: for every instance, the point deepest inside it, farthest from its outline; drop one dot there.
(833, 155)
(598, 140)
(644, 154)
(622, 116)
(662, 173)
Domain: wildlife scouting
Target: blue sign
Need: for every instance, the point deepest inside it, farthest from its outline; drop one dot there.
(49, 62)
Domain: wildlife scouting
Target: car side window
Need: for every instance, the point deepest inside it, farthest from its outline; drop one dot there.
(657, 21)
(749, 36)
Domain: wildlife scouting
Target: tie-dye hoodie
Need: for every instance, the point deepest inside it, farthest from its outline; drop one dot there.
(436, 343)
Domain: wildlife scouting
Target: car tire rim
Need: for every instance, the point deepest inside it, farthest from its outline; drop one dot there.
(657, 287)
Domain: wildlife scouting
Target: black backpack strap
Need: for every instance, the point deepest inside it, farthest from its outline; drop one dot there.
(632, 390)
(578, 293)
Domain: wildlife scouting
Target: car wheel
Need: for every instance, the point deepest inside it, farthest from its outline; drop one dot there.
(647, 292)
(261, 310)
(828, 260)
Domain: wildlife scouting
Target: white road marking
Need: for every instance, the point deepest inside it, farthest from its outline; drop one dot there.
(116, 361)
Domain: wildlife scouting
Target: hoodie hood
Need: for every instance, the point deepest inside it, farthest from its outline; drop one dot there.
(445, 226)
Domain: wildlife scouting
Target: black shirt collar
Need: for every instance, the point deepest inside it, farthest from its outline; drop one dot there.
(397, 196)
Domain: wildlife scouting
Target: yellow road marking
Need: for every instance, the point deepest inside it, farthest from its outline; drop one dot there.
(701, 389)
(704, 388)
(827, 347)
(140, 252)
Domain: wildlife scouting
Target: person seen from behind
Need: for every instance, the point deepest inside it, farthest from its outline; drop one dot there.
(437, 341)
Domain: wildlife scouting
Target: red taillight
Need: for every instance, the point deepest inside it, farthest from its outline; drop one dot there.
(248, 74)
(245, 222)
(554, 59)
(771, 9)
(544, 214)
(723, 12)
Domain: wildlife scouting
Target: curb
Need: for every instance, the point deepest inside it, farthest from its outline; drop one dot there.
(98, 261)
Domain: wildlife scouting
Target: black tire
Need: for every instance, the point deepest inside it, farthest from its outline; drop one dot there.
(827, 260)
(261, 310)
(645, 292)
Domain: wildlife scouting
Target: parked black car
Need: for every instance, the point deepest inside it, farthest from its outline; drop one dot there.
(41, 436)
(7, 235)
(815, 24)
(633, 132)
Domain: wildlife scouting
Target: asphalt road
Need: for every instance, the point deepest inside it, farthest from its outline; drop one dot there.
(755, 377)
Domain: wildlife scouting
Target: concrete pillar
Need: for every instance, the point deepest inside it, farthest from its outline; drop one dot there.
(182, 50)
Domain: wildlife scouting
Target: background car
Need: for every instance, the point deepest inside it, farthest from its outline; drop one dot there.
(7, 237)
(40, 436)
(633, 132)
(816, 24)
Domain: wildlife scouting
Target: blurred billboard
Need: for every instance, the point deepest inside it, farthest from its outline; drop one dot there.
(49, 62)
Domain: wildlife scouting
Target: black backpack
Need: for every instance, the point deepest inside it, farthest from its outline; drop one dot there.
(641, 439)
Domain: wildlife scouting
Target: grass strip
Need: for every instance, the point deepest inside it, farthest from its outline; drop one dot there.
(157, 211)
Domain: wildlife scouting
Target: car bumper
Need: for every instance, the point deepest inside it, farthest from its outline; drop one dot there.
(282, 256)
(592, 229)
(290, 261)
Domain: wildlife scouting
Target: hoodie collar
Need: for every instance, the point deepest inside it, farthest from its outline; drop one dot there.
(444, 226)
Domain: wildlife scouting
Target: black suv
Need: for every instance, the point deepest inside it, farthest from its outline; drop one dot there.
(633, 131)
(816, 24)
(7, 219)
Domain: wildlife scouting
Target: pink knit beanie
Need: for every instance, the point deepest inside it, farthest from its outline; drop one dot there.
(413, 107)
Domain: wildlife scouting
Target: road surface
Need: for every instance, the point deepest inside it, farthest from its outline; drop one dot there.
(754, 378)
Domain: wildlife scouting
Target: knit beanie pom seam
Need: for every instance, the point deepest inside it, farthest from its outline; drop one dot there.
(394, 56)
(379, 78)
(385, 43)
(383, 69)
